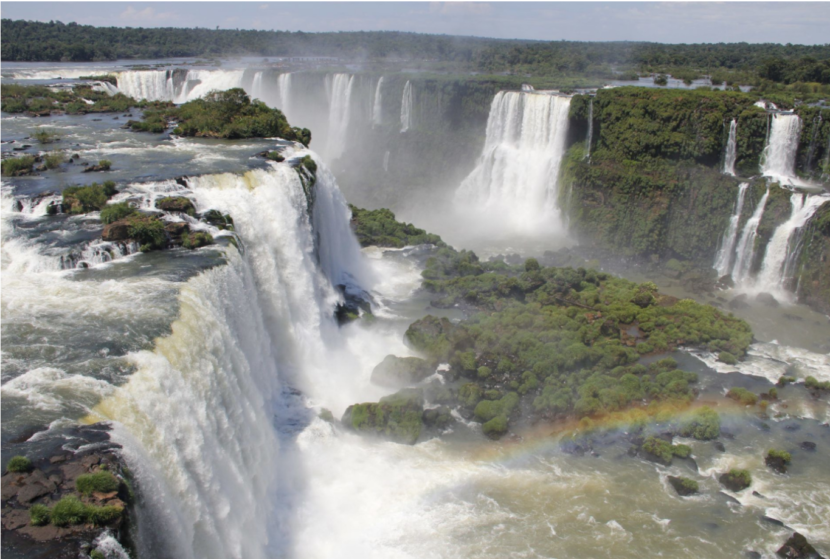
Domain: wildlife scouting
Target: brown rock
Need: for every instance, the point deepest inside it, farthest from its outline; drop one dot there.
(15, 518)
(32, 491)
(91, 460)
(117, 231)
(57, 459)
(104, 496)
(72, 470)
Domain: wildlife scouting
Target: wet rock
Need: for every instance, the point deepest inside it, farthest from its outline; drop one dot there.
(175, 231)
(753, 555)
(437, 418)
(397, 418)
(756, 494)
(176, 204)
(117, 231)
(773, 521)
(95, 168)
(767, 299)
(397, 372)
(739, 302)
(797, 547)
(717, 445)
(777, 462)
(808, 445)
(683, 486)
(736, 480)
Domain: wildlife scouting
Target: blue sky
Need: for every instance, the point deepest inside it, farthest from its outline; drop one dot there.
(668, 22)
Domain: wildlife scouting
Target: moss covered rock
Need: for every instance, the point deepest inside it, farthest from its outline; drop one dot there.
(683, 485)
(736, 480)
(397, 418)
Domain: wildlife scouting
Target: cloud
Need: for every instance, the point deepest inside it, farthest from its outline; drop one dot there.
(146, 15)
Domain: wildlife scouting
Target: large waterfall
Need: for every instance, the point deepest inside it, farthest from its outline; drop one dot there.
(723, 260)
(514, 186)
(201, 417)
(377, 104)
(152, 85)
(731, 149)
(406, 107)
(778, 158)
(782, 251)
(589, 140)
(339, 91)
(745, 251)
(284, 94)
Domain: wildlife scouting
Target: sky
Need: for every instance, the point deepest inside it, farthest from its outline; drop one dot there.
(664, 22)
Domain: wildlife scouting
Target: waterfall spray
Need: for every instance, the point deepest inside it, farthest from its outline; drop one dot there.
(731, 149)
(723, 260)
(590, 138)
(778, 158)
(339, 89)
(746, 245)
(406, 107)
(377, 105)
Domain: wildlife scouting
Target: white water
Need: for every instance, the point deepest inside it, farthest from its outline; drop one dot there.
(377, 104)
(406, 107)
(782, 250)
(731, 149)
(339, 90)
(723, 260)
(284, 91)
(152, 85)
(514, 187)
(778, 157)
(746, 245)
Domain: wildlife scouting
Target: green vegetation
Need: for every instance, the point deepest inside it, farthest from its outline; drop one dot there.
(70, 511)
(114, 212)
(41, 101)
(105, 164)
(196, 239)
(53, 160)
(148, 231)
(780, 455)
(661, 79)
(103, 482)
(109, 78)
(659, 450)
(85, 199)
(742, 396)
(222, 114)
(275, 156)
(45, 136)
(728, 358)
(179, 204)
(736, 480)
(379, 228)
(684, 486)
(97, 554)
(39, 515)
(396, 417)
(16, 166)
(813, 384)
(704, 425)
(19, 465)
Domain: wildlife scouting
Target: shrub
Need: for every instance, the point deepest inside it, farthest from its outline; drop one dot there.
(661, 79)
(39, 515)
(728, 358)
(148, 232)
(53, 160)
(496, 427)
(736, 480)
(84, 199)
(704, 425)
(196, 239)
(742, 396)
(102, 515)
(14, 165)
(784, 381)
(659, 449)
(275, 156)
(102, 482)
(681, 450)
(69, 510)
(45, 136)
(19, 465)
(105, 164)
(813, 384)
(97, 554)
(780, 455)
(114, 212)
(309, 164)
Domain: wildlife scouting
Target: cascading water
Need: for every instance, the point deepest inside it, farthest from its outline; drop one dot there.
(377, 105)
(152, 85)
(723, 260)
(406, 107)
(746, 245)
(731, 149)
(515, 182)
(339, 90)
(284, 90)
(257, 91)
(778, 157)
(782, 250)
(589, 140)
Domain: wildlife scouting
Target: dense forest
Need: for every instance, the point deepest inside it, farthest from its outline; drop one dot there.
(732, 62)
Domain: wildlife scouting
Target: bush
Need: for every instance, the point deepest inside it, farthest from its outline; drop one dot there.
(102, 482)
(69, 510)
(19, 465)
(53, 160)
(196, 239)
(742, 396)
(85, 199)
(736, 480)
(39, 515)
(813, 384)
(659, 449)
(681, 450)
(102, 515)
(105, 164)
(275, 156)
(45, 136)
(728, 358)
(14, 165)
(496, 427)
(380, 228)
(147, 231)
(114, 212)
(703, 426)
(780, 455)
(661, 79)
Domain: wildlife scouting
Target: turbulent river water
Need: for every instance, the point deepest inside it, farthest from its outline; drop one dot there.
(212, 367)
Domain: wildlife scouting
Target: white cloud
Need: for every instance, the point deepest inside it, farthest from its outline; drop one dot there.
(147, 14)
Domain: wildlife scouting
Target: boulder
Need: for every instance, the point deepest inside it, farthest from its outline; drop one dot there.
(397, 418)
(683, 486)
(767, 299)
(117, 231)
(797, 547)
(178, 204)
(739, 302)
(808, 445)
(736, 480)
(175, 231)
(398, 372)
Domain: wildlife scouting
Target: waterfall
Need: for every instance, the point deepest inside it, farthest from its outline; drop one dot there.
(782, 250)
(406, 107)
(746, 245)
(202, 418)
(159, 85)
(778, 157)
(515, 182)
(284, 89)
(257, 91)
(590, 138)
(377, 105)
(152, 85)
(723, 260)
(386, 162)
(339, 90)
(731, 149)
